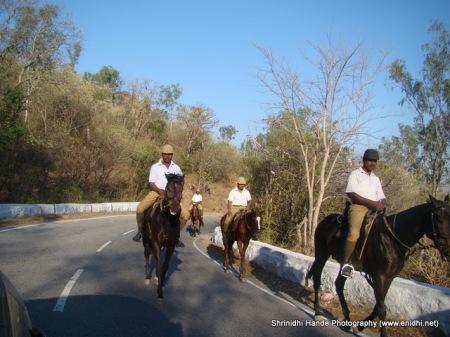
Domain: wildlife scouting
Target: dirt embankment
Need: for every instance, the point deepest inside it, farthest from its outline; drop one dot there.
(214, 195)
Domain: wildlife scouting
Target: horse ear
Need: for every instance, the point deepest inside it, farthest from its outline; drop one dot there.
(446, 200)
(432, 200)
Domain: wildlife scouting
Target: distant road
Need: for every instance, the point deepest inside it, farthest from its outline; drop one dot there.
(86, 278)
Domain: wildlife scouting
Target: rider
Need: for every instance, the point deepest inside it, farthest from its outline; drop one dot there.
(239, 198)
(197, 199)
(158, 182)
(365, 192)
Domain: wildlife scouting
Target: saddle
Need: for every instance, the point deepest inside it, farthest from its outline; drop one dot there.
(239, 214)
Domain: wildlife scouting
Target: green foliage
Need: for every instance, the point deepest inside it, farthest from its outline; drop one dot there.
(227, 133)
(429, 98)
(107, 76)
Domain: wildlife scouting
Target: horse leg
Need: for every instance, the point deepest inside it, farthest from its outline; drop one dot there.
(242, 246)
(165, 267)
(227, 257)
(339, 283)
(316, 273)
(380, 287)
(157, 255)
(147, 253)
(163, 270)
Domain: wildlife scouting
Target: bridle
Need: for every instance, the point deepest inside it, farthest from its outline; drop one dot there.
(258, 219)
(411, 250)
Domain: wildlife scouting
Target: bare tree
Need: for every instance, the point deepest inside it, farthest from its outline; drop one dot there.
(195, 123)
(324, 116)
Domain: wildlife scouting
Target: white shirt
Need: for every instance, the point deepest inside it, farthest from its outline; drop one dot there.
(197, 198)
(239, 198)
(158, 173)
(364, 184)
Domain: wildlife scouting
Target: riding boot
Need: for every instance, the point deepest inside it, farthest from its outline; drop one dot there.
(137, 237)
(347, 269)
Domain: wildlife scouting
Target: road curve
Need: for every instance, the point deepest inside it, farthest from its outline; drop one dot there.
(86, 278)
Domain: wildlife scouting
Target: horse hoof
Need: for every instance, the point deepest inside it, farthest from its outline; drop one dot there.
(357, 329)
(243, 280)
(319, 317)
(147, 281)
(156, 280)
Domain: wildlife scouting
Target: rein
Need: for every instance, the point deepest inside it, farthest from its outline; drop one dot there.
(410, 250)
(246, 223)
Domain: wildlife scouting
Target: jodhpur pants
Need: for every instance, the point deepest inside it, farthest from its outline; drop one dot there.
(356, 215)
(148, 202)
(227, 221)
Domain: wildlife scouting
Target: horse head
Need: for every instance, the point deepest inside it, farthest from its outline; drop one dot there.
(256, 220)
(174, 193)
(440, 231)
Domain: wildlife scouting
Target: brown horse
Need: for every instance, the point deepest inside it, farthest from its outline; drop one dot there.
(162, 228)
(248, 224)
(195, 220)
(386, 249)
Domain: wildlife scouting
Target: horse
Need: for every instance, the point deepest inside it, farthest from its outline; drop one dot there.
(162, 229)
(195, 220)
(384, 252)
(248, 224)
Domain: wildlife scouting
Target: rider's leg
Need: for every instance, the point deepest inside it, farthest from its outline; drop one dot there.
(228, 220)
(356, 215)
(146, 203)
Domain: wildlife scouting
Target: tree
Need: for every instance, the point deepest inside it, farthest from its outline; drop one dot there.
(429, 98)
(227, 133)
(195, 123)
(33, 40)
(319, 119)
(107, 76)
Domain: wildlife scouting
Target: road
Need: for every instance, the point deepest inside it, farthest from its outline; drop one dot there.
(85, 277)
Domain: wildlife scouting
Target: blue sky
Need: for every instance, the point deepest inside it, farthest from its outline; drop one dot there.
(208, 47)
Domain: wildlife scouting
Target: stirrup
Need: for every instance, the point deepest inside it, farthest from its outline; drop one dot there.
(347, 271)
(179, 244)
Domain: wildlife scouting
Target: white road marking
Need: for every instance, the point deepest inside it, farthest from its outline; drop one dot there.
(59, 306)
(133, 230)
(101, 248)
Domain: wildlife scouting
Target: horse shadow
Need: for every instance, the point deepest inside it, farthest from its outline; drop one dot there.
(277, 285)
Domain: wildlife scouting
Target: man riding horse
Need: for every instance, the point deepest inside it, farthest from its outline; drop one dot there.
(366, 193)
(197, 200)
(158, 182)
(239, 199)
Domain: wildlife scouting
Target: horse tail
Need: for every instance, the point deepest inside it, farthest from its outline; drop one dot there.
(323, 246)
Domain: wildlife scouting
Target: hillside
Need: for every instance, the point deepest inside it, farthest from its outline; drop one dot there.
(214, 195)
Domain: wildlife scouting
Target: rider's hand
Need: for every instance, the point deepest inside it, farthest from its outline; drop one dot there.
(378, 205)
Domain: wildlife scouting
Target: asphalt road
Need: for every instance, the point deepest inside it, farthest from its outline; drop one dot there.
(86, 278)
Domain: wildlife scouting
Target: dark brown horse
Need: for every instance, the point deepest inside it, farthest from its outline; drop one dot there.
(386, 249)
(195, 220)
(162, 228)
(248, 224)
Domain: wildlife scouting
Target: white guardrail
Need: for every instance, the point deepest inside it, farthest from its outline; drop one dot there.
(406, 300)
